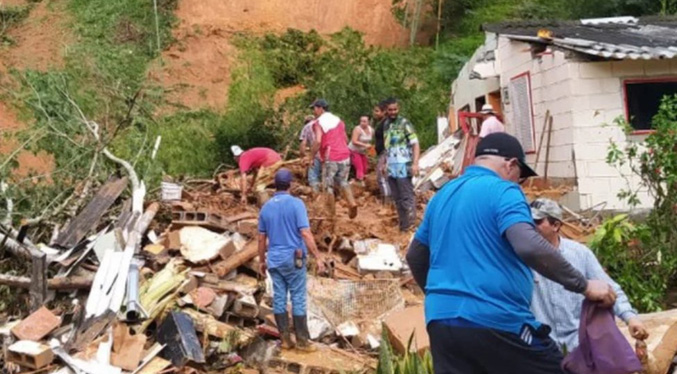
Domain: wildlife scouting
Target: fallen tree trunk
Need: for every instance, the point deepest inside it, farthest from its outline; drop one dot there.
(237, 259)
(71, 283)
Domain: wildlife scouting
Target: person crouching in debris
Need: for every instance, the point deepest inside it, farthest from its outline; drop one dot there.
(359, 145)
(559, 308)
(403, 152)
(254, 161)
(332, 144)
(472, 256)
(490, 123)
(284, 234)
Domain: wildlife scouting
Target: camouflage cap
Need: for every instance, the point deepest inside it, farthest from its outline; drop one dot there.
(542, 208)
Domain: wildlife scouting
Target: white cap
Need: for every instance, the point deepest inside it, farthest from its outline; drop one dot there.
(487, 109)
(236, 150)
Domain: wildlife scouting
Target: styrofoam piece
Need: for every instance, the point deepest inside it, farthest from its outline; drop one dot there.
(384, 258)
(317, 326)
(199, 245)
(374, 343)
(348, 329)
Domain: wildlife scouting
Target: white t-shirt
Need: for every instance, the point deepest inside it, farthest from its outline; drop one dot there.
(490, 126)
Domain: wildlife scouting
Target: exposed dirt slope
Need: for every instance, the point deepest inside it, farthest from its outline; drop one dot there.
(38, 44)
(372, 17)
(197, 68)
(39, 41)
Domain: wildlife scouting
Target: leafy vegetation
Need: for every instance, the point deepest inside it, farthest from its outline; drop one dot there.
(643, 258)
(102, 86)
(10, 16)
(411, 363)
(643, 272)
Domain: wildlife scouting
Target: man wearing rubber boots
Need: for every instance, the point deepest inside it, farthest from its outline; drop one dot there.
(402, 154)
(284, 235)
(331, 142)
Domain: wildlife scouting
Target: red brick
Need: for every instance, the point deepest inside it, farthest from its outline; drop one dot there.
(266, 330)
(37, 325)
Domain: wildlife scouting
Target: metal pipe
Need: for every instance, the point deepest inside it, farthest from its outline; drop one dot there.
(133, 307)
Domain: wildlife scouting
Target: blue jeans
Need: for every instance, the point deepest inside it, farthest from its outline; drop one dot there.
(292, 281)
(315, 173)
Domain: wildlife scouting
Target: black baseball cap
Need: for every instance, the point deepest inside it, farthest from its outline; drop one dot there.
(322, 103)
(505, 145)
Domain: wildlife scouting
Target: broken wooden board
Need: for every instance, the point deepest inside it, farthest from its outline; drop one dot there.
(127, 348)
(324, 360)
(211, 326)
(156, 365)
(662, 341)
(90, 216)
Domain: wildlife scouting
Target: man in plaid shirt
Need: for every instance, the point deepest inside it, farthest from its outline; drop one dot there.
(559, 308)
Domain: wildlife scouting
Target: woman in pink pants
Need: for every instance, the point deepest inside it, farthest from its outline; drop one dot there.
(359, 144)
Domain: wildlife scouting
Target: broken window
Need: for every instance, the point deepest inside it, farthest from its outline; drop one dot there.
(642, 99)
(522, 115)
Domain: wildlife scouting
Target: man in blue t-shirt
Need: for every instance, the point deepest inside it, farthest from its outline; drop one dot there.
(284, 233)
(471, 255)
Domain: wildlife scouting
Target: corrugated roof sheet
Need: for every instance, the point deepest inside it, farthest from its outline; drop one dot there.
(646, 39)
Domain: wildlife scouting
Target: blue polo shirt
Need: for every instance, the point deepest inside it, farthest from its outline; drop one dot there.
(475, 275)
(281, 219)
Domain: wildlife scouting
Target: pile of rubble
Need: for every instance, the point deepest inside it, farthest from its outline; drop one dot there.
(173, 286)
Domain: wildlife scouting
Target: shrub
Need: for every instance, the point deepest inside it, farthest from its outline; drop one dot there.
(652, 259)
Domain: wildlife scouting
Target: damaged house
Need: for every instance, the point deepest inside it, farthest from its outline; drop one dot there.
(584, 74)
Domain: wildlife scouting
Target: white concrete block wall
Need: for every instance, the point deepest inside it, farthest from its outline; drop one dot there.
(584, 98)
(598, 100)
(550, 90)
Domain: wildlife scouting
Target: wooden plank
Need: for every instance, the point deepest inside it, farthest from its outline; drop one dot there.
(547, 150)
(38, 287)
(90, 216)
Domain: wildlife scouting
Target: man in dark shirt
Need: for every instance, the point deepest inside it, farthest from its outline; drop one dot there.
(379, 115)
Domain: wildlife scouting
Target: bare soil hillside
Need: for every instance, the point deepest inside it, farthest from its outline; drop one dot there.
(37, 44)
(196, 69)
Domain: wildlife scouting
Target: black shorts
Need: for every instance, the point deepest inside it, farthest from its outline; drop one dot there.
(473, 350)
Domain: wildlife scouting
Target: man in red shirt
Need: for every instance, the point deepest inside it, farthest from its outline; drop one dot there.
(251, 161)
(331, 142)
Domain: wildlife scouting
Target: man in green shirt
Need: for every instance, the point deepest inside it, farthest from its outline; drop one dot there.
(402, 155)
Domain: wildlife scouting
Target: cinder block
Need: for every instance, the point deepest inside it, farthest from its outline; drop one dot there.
(588, 118)
(628, 68)
(574, 69)
(600, 169)
(584, 87)
(605, 101)
(591, 152)
(611, 85)
(657, 67)
(595, 70)
(30, 354)
(581, 103)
